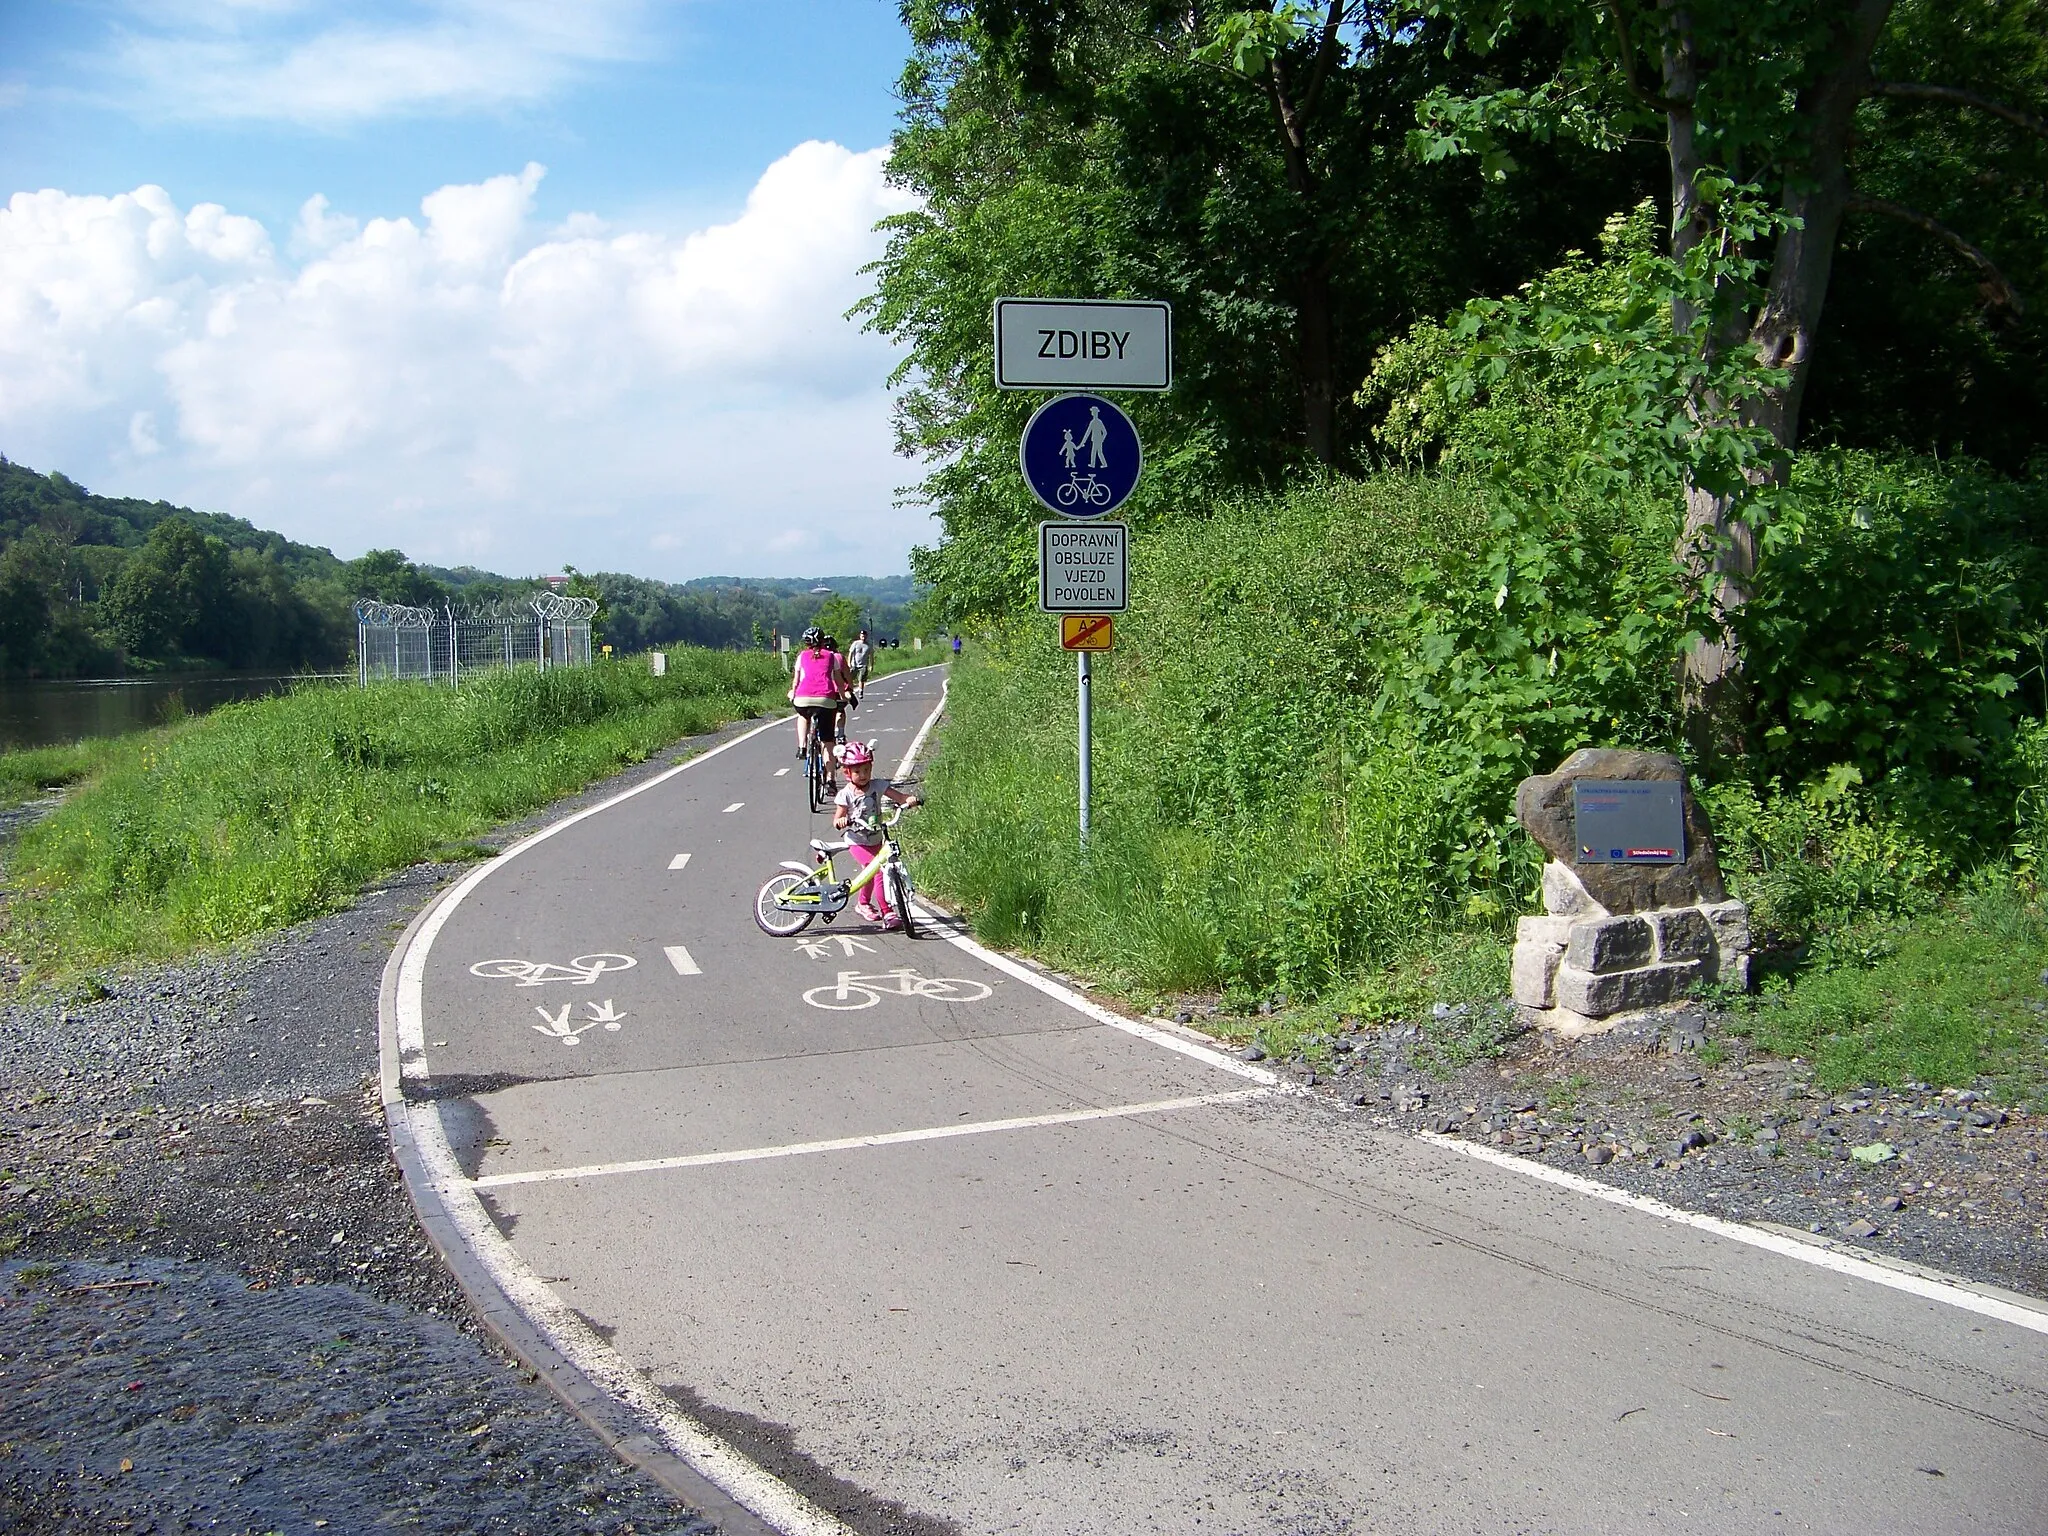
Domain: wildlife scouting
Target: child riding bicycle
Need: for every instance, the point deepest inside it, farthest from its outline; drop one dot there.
(857, 811)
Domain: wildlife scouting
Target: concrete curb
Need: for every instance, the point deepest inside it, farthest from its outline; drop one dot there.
(622, 1430)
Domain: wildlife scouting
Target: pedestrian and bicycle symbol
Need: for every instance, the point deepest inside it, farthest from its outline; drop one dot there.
(583, 971)
(854, 990)
(1081, 455)
(559, 1026)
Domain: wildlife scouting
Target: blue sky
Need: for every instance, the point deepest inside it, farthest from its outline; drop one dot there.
(567, 288)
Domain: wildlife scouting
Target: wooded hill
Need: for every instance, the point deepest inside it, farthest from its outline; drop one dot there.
(95, 585)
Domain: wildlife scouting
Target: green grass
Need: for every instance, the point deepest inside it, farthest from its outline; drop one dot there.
(1946, 998)
(265, 813)
(1273, 819)
(27, 775)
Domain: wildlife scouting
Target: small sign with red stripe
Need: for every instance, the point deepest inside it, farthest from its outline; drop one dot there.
(1086, 632)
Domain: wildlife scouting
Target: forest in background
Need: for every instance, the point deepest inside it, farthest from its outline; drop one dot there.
(94, 586)
(1548, 374)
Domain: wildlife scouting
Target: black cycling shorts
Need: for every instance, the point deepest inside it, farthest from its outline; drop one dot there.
(824, 720)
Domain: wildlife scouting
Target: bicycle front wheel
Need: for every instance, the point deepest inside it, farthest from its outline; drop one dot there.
(814, 778)
(774, 918)
(899, 898)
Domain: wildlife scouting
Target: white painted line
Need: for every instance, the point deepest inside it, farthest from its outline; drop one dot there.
(679, 861)
(1827, 1258)
(1186, 1045)
(780, 1505)
(780, 772)
(733, 807)
(679, 957)
(1832, 1258)
(917, 742)
(853, 1143)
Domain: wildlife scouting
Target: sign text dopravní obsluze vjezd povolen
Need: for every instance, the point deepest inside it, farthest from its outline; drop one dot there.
(1083, 567)
(1083, 344)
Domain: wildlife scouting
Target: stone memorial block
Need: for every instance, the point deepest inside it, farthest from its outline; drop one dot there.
(1635, 909)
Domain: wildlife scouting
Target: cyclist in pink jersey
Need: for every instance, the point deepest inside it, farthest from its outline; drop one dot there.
(814, 690)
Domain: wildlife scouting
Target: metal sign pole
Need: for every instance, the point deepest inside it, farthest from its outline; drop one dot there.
(1087, 768)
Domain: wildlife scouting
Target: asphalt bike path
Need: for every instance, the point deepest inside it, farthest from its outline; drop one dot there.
(920, 1234)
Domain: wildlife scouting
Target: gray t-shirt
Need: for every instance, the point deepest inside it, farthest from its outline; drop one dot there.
(857, 655)
(863, 812)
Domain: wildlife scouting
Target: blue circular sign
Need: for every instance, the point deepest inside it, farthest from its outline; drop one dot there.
(1081, 456)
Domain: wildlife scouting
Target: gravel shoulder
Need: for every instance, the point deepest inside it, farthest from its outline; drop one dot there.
(197, 1198)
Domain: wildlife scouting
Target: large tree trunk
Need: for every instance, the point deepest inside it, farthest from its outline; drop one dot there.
(1718, 547)
(1789, 317)
(1315, 326)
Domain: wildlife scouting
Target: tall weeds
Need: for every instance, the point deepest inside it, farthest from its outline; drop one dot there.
(267, 812)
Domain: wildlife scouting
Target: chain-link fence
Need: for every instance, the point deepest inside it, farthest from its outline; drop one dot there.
(447, 644)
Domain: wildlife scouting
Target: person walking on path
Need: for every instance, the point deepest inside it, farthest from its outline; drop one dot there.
(859, 657)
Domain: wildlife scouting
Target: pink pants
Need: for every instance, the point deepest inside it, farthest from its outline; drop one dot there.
(872, 894)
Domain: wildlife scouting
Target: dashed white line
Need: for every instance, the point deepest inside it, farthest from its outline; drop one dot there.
(780, 772)
(679, 957)
(733, 807)
(852, 1143)
(679, 861)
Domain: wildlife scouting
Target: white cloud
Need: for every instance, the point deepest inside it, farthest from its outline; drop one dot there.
(465, 386)
(284, 61)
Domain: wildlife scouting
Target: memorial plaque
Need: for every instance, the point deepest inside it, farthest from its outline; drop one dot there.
(1629, 821)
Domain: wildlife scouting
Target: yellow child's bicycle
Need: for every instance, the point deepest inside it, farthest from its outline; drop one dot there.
(801, 892)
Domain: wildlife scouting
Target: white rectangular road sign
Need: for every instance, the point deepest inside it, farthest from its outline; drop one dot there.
(1083, 344)
(1083, 567)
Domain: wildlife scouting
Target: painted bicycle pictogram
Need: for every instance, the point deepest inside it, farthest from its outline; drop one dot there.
(583, 971)
(854, 990)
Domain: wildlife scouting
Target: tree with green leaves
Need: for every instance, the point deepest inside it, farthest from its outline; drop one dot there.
(168, 596)
(1762, 107)
(387, 576)
(1249, 166)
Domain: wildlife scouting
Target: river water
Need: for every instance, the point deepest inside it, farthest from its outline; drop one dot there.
(49, 713)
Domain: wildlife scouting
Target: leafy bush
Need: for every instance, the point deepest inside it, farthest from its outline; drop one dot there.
(1902, 634)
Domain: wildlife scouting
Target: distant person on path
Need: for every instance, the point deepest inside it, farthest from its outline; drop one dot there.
(859, 657)
(857, 811)
(956, 647)
(814, 691)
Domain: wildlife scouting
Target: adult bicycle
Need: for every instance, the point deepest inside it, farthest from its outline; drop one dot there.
(817, 768)
(790, 900)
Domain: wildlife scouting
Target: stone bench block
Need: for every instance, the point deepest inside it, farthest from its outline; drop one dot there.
(1598, 995)
(1544, 930)
(1604, 945)
(1532, 978)
(1684, 934)
(1565, 895)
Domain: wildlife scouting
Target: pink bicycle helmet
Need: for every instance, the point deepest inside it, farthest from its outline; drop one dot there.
(855, 753)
